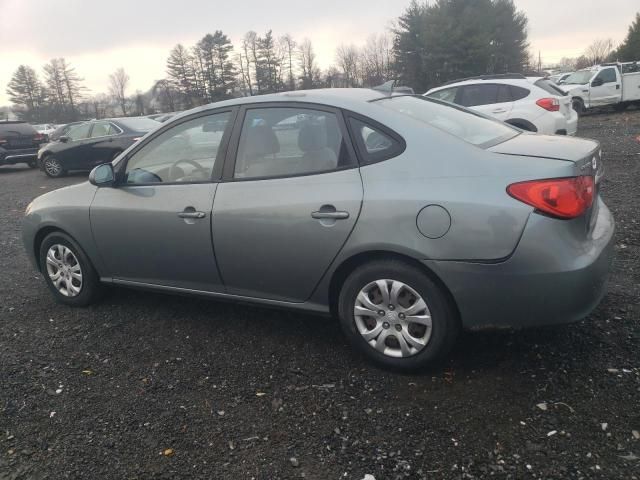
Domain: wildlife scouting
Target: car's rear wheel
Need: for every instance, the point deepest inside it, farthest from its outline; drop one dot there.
(578, 105)
(396, 315)
(68, 271)
(53, 167)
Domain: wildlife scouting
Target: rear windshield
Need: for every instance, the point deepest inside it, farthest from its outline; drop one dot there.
(549, 87)
(465, 124)
(16, 128)
(579, 78)
(139, 124)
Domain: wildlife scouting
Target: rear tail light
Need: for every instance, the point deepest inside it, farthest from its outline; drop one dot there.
(3, 141)
(550, 104)
(558, 197)
(40, 138)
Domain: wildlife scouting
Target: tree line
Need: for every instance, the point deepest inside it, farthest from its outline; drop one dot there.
(432, 42)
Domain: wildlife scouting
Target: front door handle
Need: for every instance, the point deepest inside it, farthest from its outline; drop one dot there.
(330, 215)
(190, 214)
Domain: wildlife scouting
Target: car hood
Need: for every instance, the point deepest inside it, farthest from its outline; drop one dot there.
(567, 88)
(79, 195)
(556, 147)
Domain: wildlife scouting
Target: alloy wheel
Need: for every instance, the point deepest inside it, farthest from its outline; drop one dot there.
(52, 167)
(393, 318)
(64, 270)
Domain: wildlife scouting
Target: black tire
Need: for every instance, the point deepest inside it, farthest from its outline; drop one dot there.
(52, 167)
(445, 322)
(621, 107)
(578, 106)
(90, 289)
(33, 164)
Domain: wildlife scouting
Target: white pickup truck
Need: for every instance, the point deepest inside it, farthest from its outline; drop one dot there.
(613, 84)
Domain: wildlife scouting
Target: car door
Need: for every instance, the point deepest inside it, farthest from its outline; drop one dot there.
(605, 88)
(77, 147)
(489, 98)
(290, 198)
(102, 146)
(154, 226)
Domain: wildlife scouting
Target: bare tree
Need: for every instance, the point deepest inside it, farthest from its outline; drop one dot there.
(118, 83)
(310, 73)
(287, 47)
(377, 60)
(348, 59)
(599, 51)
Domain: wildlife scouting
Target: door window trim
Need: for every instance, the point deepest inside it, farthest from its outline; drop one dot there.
(120, 131)
(234, 143)
(216, 172)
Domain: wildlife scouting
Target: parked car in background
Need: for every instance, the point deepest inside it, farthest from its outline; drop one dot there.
(19, 143)
(406, 217)
(559, 78)
(533, 104)
(92, 143)
(62, 130)
(610, 84)
(45, 128)
(162, 117)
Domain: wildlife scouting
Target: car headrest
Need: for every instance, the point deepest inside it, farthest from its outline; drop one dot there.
(312, 137)
(261, 141)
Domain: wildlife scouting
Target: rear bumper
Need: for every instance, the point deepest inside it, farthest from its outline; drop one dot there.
(551, 278)
(23, 155)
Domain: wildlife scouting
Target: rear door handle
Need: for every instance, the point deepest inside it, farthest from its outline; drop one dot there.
(192, 214)
(499, 110)
(331, 215)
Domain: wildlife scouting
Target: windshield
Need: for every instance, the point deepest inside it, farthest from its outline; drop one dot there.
(465, 124)
(579, 78)
(139, 124)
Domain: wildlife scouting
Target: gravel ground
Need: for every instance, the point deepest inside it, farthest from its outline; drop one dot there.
(150, 386)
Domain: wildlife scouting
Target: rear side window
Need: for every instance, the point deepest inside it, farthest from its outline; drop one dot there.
(518, 93)
(375, 144)
(549, 87)
(480, 94)
(16, 128)
(79, 132)
(504, 94)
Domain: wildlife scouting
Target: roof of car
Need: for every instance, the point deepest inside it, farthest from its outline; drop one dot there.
(524, 81)
(336, 97)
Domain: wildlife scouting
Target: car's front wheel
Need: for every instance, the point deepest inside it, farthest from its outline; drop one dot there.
(397, 315)
(68, 271)
(53, 167)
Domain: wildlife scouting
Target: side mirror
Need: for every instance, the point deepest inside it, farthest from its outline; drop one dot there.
(597, 82)
(64, 139)
(102, 176)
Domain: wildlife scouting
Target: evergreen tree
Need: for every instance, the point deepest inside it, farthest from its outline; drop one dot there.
(629, 51)
(27, 93)
(181, 74)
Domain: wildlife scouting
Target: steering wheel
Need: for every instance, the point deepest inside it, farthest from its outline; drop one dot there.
(174, 170)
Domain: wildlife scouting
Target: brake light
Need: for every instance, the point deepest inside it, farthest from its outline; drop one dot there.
(550, 104)
(40, 137)
(559, 197)
(3, 141)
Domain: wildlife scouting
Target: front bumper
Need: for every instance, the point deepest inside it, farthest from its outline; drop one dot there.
(22, 155)
(552, 277)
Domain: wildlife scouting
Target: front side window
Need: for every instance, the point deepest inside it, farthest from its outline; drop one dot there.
(468, 126)
(80, 132)
(185, 153)
(608, 75)
(277, 142)
(446, 95)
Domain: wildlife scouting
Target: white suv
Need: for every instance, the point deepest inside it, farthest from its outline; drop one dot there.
(530, 103)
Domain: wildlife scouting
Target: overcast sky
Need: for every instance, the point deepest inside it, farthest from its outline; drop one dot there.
(99, 37)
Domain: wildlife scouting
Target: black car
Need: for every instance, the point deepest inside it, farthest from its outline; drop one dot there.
(62, 130)
(92, 143)
(19, 143)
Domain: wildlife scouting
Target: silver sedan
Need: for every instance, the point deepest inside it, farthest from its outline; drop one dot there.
(406, 218)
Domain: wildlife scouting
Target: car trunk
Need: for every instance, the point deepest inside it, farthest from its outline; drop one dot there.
(584, 154)
(19, 136)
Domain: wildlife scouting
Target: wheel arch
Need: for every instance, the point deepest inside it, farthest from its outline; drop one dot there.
(348, 265)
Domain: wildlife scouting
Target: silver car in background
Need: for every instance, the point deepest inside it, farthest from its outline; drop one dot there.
(407, 218)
